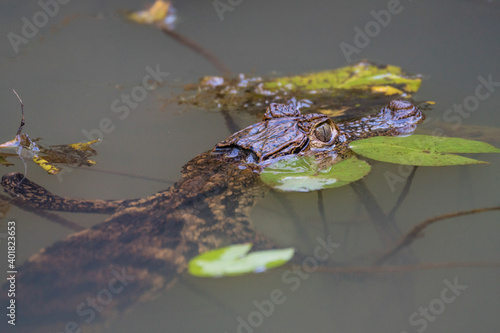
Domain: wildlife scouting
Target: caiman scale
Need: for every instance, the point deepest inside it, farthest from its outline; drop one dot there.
(146, 243)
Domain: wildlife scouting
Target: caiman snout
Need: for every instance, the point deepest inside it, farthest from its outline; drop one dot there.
(403, 109)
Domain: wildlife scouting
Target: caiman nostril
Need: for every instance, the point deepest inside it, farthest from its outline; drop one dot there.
(402, 109)
(397, 105)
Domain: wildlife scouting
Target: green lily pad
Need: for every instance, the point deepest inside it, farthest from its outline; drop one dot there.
(421, 150)
(300, 174)
(234, 260)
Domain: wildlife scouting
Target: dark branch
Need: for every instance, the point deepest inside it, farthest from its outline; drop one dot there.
(195, 47)
(417, 230)
(22, 113)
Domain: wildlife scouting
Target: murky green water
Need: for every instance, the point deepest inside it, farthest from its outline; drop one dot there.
(86, 56)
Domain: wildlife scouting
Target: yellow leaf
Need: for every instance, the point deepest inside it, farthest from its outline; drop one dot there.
(83, 146)
(156, 13)
(45, 165)
(388, 90)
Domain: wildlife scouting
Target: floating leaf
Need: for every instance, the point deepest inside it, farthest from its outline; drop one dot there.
(358, 89)
(360, 76)
(84, 146)
(234, 260)
(388, 90)
(76, 154)
(421, 150)
(156, 13)
(70, 155)
(300, 174)
(45, 165)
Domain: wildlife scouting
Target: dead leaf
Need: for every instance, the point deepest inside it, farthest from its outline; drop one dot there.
(76, 154)
(154, 14)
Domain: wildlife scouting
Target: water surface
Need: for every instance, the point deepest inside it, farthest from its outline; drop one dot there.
(73, 69)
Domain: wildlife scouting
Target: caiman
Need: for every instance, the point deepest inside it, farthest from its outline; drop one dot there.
(141, 249)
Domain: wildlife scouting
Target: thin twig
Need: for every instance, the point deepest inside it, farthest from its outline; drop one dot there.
(22, 113)
(229, 121)
(125, 174)
(416, 230)
(195, 47)
(210, 57)
(19, 131)
(403, 268)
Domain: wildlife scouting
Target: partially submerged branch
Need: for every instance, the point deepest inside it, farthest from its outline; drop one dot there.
(417, 230)
(22, 113)
(405, 268)
(191, 44)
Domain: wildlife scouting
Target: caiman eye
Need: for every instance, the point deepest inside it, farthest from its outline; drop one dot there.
(323, 132)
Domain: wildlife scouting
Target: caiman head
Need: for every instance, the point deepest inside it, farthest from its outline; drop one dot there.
(285, 132)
